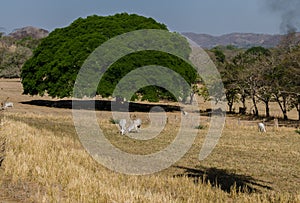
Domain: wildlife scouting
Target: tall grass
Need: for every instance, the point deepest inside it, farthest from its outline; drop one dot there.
(55, 168)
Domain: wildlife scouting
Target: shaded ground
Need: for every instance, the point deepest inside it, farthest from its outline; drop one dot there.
(101, 105)
(225, 180)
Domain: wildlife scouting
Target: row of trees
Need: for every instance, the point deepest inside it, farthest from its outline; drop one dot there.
(260, 74)
(263, 75)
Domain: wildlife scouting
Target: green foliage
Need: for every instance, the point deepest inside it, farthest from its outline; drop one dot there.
(220, 56)
(29, 42)
(150, 93)
(297, 131)
(257, 51)
(203, 91)
(231, 47)
(55, 64)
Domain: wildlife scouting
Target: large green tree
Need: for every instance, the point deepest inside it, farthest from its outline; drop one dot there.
(55, 64)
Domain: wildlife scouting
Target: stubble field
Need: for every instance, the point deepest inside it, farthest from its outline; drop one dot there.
(44, 160)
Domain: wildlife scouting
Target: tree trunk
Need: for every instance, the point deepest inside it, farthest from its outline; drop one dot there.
(282, 106)
(255, 106)
(267, 109)
(230, 104)
(192, 97)
(285, 117)
(298, 109)
(243, 99)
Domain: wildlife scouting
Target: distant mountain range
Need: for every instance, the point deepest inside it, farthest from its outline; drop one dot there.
(240, 40)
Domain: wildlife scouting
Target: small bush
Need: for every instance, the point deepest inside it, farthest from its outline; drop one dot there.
(298, 131)
(200, 127)
(113, 121)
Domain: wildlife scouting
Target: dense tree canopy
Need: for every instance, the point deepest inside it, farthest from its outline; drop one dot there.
(144, 58)
(55, 64)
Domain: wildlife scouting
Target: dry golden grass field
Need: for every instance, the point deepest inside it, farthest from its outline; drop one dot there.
(44, 160)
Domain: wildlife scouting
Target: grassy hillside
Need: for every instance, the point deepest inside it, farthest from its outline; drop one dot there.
(45, 162)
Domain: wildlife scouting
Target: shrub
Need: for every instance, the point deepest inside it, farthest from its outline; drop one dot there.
(200, 127)
(113, 121)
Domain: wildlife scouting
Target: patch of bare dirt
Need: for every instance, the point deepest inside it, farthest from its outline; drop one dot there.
(11, 90)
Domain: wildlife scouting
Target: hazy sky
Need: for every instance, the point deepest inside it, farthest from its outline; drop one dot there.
(200, 16)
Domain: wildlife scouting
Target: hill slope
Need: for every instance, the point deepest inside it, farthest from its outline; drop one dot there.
(240, 40)
(33, 32)
(16, 48)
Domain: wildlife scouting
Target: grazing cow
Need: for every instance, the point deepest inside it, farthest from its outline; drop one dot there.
(8, 104)
(261, 127)
(122, 125)
(135, 125)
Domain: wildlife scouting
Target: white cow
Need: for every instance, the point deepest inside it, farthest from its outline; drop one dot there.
(122, 125)
(7, 105)
(135, 125)
(261, 127)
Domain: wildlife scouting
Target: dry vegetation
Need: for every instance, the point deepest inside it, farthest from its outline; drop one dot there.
(45, 162)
